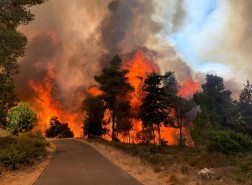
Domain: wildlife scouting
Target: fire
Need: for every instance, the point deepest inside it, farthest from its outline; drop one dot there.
(46, 107)
(188, 88)
(141, 66)
(94, 91)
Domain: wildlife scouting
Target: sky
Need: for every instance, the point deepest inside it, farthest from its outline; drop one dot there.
(189, 39)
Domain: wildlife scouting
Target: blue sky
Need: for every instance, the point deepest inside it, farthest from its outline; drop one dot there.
(187, 40)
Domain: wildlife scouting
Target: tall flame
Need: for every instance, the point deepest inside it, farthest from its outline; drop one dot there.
(46, 107)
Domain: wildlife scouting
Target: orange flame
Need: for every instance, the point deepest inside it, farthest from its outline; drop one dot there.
(188, 88)
(140, 66)
(46, 107)
(94, 91)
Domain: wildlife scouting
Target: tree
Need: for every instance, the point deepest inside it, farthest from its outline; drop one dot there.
(155, 109)
(201, 128)
(179, 105)
(145, 135)
(58, 129)
(124, 117)
(13, 13)
(216, 101)
(21, 118)
(244, 106)
(114, 85)
(93, 123)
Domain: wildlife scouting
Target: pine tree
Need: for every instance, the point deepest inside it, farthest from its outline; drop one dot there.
(155, 110)
(114, 85)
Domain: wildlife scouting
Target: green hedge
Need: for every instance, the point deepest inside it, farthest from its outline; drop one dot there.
(229, 142)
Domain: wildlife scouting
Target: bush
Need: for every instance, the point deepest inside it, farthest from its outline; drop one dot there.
(229, 142)
(20, 118)
(58, 129)
(22, 149)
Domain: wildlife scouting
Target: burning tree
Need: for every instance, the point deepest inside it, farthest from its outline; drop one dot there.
(155, 110)
(94, 110)
(179, 105)
(115, 87)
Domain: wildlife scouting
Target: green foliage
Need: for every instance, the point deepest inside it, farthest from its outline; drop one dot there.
(201, 128)
(244, 112)
(13, 13)
(216, 101)
(21, 118)
(155, 109)
(114, 85)
(93, 123)
(229, 142)
(22, 149)
(58, 129)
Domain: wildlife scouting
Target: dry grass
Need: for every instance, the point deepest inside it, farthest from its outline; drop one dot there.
(138, 169)
(4, 133)
(174, 168)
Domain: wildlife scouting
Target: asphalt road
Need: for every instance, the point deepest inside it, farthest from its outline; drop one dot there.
(76, 163)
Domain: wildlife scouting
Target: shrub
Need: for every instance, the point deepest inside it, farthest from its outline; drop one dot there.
(22, 149)
(20, 118)
(153, 149)
(229, 142)
(58, 129)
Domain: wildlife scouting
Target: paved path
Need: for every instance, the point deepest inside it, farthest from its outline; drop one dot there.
(76, 163)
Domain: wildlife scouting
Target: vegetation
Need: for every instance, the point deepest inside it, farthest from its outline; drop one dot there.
(23, 149)
(93, 123)
(21, 119)
(58, 129)
(155, 109)
(218, 119)
(114, 86)
(184, 163)
(12, 45)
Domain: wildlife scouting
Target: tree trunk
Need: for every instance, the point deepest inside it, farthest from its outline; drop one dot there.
(153, 131)
(2, 99)
(180, 134)
(159, 135)
(113, 125)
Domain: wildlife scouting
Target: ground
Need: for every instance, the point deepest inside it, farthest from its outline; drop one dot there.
(171, 165)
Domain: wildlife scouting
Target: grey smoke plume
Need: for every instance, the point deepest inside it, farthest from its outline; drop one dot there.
(78, 38)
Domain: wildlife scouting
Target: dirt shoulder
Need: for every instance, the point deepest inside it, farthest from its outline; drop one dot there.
(26, 175)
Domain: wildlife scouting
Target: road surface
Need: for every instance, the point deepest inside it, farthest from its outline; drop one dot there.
(76, 163)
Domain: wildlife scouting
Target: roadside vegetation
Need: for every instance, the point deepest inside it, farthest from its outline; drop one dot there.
(175, 165)
(21, 150)
(18, 146)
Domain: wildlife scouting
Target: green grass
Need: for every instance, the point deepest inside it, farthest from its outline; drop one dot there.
(23, 149)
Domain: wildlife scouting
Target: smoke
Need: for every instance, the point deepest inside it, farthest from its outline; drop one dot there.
(217, 35)
(79, 37)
